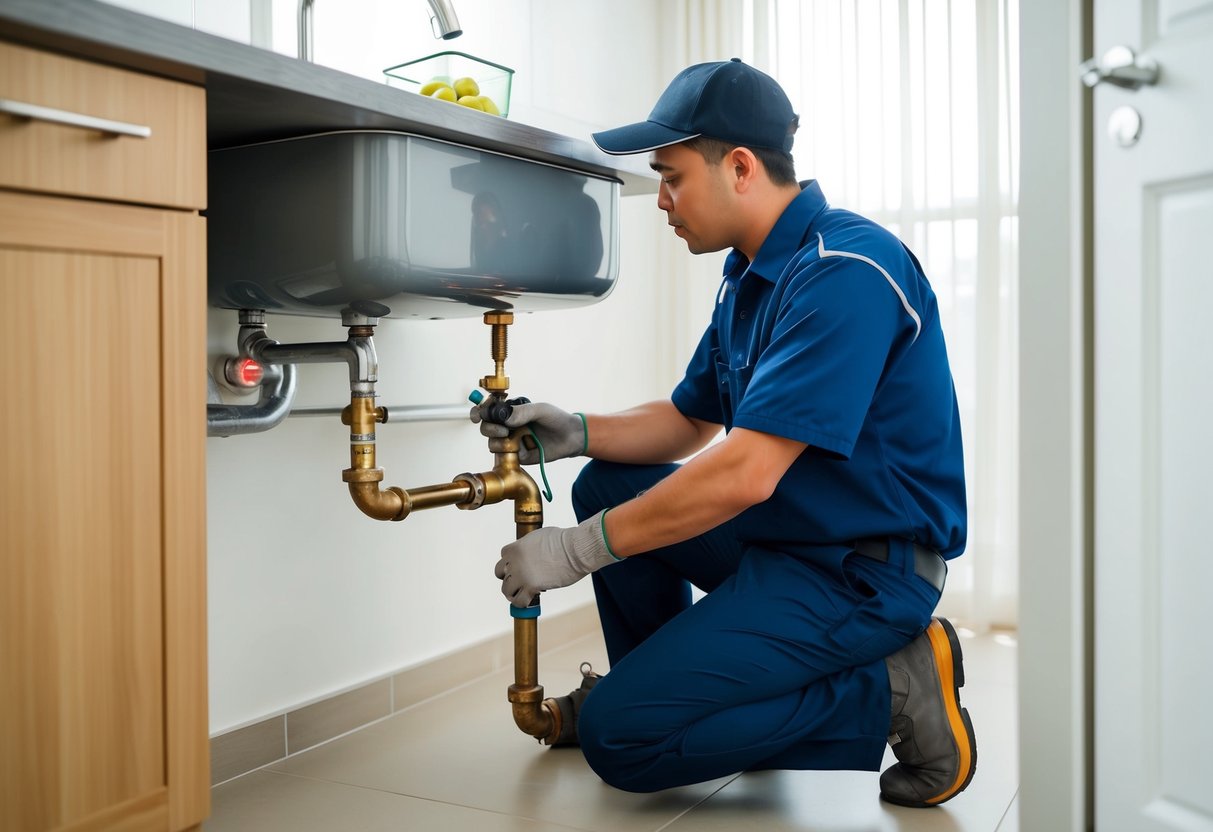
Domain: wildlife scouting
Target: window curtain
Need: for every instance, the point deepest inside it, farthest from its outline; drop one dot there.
(908, 115)
(691, 32)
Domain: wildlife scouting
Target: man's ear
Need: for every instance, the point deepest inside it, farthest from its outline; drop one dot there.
(745, 165)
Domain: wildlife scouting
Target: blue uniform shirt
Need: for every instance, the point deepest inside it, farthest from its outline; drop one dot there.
(831, 337)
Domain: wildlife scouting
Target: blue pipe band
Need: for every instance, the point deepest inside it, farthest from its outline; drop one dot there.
(524, 612)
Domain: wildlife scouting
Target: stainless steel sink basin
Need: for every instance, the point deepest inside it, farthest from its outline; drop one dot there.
(406, 226)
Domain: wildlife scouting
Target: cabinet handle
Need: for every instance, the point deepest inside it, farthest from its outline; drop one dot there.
(104, 125)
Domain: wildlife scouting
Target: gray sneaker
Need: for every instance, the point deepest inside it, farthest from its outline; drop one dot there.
(570, 706)
(930, 733)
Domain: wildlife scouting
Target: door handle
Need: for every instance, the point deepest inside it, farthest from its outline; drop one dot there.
(1121, 67)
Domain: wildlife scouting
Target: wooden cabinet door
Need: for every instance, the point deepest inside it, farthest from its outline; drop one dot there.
(102, 604)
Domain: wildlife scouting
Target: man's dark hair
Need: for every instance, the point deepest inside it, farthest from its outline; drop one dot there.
(778, 163)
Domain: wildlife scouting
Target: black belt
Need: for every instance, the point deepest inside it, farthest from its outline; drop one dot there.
(928, 564)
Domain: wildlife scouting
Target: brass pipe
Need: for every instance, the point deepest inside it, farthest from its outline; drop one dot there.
(535, 715)
(433, 496)
(363, 476)
(507, 480)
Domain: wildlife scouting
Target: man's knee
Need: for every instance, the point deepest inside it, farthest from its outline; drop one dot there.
(590, 489)
(606, 731)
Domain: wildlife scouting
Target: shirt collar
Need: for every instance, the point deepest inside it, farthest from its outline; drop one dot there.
(785, 238)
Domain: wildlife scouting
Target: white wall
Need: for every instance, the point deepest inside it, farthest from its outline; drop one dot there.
(226, 18)
(306, 595)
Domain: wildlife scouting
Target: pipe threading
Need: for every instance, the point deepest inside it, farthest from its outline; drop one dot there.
(500, 346)
(499, 321)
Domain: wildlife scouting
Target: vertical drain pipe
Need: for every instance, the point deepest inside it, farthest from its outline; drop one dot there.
(533, 714)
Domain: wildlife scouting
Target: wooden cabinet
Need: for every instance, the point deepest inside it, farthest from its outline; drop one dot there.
(103, 716)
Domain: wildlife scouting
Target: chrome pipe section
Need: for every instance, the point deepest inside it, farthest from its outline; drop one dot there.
(276, 394)
(400, 413)
(306, 41)
(357, 351)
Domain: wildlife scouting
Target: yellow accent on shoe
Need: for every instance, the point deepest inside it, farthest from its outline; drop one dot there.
(941, 646)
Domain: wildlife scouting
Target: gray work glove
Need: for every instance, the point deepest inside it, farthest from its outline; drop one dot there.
(563, 434)
(550, 558)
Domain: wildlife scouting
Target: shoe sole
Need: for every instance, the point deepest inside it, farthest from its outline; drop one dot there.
(949, 662)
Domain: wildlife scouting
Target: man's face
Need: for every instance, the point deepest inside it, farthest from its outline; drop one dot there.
(696, 198)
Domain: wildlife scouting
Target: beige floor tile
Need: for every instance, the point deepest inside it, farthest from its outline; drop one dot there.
(459, 759)
(464, 749)
(990, 659)
(267, 802)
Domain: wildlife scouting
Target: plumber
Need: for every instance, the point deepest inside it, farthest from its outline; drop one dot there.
(819, 525)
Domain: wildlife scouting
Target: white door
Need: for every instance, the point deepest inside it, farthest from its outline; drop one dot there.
(1154, 424)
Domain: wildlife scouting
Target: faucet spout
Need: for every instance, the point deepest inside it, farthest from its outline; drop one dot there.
(444, 20)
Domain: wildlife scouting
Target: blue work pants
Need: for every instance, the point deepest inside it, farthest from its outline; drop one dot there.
(780, 665)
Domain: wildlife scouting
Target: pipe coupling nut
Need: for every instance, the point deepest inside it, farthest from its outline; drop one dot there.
(476, 483)
(525, 694)
(362, 475)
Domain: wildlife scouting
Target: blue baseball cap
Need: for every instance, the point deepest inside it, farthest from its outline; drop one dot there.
(727, 100)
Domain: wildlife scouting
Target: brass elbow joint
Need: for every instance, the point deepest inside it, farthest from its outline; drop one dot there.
(535, 715)
(389, 504)
(515, 483)
(363, 476)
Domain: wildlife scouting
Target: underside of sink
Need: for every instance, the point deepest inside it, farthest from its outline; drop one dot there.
(407, 226)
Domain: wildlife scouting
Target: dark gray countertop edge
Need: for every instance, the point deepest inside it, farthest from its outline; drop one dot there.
(254, 94)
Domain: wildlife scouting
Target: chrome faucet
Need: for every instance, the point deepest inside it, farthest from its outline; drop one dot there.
(443, 20)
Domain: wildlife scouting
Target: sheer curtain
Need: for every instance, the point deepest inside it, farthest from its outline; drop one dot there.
(691, 32)
(909, 115)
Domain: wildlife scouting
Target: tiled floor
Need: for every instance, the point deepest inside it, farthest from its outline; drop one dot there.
(457, 763)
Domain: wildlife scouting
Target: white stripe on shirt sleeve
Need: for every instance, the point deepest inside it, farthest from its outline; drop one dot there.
(821, 251)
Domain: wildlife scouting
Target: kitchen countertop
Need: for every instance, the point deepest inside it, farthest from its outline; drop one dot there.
(254, 94)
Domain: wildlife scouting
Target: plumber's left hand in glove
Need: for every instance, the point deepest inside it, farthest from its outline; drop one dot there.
(550, 558)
